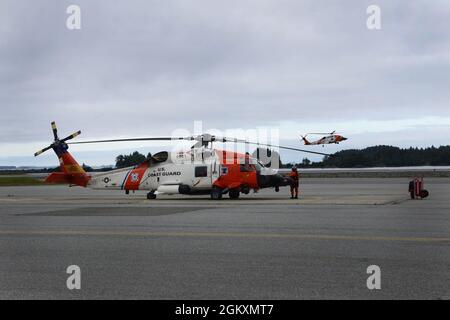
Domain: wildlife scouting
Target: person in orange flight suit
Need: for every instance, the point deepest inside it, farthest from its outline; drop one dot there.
(294, 185)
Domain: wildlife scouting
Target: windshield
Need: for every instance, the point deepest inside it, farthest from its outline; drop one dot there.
(258, 165)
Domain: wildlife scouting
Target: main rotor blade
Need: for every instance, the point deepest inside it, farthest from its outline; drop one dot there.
(215, 139)
(134, 139)
(303, 150)
(55, 130)
(271, 145)
(73, 135)
(322, 132)
(42, 151)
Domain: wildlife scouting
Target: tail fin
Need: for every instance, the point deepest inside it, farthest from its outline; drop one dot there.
(305, 141)
(71, 171)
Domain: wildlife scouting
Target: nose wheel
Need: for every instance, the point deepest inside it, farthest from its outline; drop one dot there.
(151, 195)
(216, 194)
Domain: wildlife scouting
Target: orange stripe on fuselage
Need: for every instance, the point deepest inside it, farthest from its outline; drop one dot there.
(135, 177)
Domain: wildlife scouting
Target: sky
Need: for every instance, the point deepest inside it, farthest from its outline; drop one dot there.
(154, 68)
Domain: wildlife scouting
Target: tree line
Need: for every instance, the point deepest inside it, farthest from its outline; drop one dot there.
(129, 160)
(382, 156)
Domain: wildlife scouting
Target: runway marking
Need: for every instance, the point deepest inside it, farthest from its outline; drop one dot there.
(221, 235)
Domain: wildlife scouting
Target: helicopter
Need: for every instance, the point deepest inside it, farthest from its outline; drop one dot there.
(328, 139)
(201, 170)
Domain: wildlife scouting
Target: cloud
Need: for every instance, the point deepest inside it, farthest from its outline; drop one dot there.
(148, 67)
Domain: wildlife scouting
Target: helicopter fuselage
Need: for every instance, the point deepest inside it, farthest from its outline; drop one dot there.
(197, 171)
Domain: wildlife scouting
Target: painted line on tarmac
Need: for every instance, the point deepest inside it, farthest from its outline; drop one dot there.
(219, 235)
(308, 201)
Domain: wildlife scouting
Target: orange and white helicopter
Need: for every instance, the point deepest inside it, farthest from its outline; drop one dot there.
(200, 170)
(330, 138)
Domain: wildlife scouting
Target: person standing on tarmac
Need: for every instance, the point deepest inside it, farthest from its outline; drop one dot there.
(294, 185)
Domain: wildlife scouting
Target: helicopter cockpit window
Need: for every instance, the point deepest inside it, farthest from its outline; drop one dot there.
(259, 166)
(201, 171)
(223, 171)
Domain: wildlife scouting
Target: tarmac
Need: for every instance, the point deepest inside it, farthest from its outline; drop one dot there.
(261, 246)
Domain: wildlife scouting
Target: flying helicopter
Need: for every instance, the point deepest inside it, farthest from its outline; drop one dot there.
(328, 139)
(200, 170)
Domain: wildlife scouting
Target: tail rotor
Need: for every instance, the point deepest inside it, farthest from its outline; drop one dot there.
(58, 145)
(304, 139)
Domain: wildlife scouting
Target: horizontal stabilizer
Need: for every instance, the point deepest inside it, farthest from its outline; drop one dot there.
(79, 179)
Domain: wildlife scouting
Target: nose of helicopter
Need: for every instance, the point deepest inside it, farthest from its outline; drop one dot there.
(281, 181)
(273, 180)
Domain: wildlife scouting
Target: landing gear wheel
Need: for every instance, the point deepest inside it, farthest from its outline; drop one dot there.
(277, 189)
(216, 194)
(234, 193)
(151, 196)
